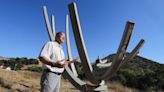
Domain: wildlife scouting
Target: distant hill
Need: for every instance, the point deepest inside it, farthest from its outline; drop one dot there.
(17, 63)
(140, 73)
(3, 58)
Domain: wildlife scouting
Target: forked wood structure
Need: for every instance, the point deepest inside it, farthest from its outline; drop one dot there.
(70, 72)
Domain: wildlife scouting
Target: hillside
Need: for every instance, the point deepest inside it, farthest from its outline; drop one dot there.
(140, 73)
(26, 78)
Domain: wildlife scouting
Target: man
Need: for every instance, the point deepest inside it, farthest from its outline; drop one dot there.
(52, 58)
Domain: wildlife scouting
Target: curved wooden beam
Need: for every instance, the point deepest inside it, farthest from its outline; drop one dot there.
(48, 26)
(135, 51)
(120, 52)
(53, 26)
(80, 44)
(75, 81)
(131, 55)
(69, 47)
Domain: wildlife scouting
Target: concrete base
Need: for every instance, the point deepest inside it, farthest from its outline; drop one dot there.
(102, 88)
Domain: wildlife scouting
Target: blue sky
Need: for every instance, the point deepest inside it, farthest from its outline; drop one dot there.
(23, 31)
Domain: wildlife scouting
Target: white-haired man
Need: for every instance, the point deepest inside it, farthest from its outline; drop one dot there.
(52, 58)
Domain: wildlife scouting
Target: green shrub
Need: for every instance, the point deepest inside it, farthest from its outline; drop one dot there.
(35, 69)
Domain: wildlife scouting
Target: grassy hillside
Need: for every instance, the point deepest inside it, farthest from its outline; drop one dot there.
(140, 73)
(27, 78)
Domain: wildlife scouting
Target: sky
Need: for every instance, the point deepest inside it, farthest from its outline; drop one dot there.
(23, 32)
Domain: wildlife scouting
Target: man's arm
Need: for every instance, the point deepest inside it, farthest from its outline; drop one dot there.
(77, 59)
(52, 64)
(45, 61)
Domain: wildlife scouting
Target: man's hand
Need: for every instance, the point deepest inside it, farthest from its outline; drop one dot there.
(77, 59)
(58, 64)
(62, 63)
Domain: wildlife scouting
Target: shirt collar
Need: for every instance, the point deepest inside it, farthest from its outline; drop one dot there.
(58, 44)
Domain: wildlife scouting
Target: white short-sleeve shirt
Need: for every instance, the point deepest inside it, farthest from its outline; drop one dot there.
(53, 52)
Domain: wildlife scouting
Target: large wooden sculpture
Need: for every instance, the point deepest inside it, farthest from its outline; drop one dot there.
(70, 73)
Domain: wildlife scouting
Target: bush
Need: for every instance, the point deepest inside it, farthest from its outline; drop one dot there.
(17, 63)
(35, 69)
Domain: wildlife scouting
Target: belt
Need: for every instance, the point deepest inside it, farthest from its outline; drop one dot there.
(47, 70)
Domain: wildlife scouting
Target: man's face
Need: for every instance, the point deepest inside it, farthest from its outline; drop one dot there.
(62, 38)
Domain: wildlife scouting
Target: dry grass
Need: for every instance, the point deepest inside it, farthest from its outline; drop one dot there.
(117, 87)
(26, 81)
(22, 81)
